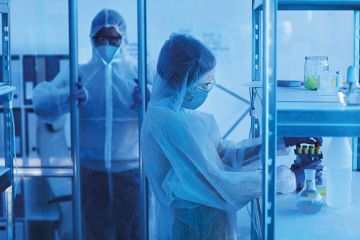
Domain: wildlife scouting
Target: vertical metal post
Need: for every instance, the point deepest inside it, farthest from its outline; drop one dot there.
(255, 56)
(255, 45)
(269, 117)
(10, 225)
(9, 131)
(74, 114)
(356, 57)
(142, 74)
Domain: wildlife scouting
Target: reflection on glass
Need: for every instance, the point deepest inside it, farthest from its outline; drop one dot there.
(39, 47)
(41, 206)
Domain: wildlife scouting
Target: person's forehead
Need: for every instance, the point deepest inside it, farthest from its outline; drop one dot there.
(208, 77)
(108, 32)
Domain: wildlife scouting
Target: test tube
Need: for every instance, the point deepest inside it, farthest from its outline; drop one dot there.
(311, 150)
(305, 149)
(317, 148)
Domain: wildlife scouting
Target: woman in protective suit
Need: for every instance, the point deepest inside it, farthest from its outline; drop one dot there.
(199, 179)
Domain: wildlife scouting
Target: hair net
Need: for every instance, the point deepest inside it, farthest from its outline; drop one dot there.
(182, 61)
(108, 18)
(182, 54)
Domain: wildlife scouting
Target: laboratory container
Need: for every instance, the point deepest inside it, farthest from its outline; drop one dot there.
(309, 200)
(339, 173)
(313, 68)
(349, 93)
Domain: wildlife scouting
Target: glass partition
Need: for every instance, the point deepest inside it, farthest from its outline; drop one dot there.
(43, 166)
(109, 119)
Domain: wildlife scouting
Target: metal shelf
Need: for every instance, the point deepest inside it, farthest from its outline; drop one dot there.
(4, 6)
(313, 5)
(5, 178)
(44, 171)
(328, 120)
(5, 89)
(301, 112)
(307, 117)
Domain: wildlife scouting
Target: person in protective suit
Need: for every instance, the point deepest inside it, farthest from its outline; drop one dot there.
(109, 97)
(199, 179)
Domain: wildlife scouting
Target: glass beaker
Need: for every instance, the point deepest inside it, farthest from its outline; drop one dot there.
(349, 93)
(314, 66)
(309, 200)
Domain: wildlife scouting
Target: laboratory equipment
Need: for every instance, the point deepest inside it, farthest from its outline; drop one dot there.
(314, 66)
(349, 94)
(309, 200)
(339, 79)
(307, 156)
(324, 85)
(289, 83)
(293, 118)
(339, 163)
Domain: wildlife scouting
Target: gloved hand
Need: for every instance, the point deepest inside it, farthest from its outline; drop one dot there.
(293, 141)
(300, 175)
(80, 94)
(136, 96)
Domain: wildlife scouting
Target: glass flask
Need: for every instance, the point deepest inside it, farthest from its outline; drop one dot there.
(309, 200)
(313, 68)
(349, 93)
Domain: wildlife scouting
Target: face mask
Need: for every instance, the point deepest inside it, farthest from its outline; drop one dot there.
(198, 98)
(107, 52)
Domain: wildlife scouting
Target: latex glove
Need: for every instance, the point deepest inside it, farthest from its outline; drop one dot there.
(80, 94)
(293, 141)
(300, 175)
(136, 96)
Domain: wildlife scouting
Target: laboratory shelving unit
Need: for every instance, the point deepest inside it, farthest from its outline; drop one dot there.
(287, 118)
(33, 199)
(6, 172)
(6, 89)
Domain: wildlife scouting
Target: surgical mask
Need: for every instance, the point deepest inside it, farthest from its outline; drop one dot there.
(198, 97)
(197, 93)
(107, 52)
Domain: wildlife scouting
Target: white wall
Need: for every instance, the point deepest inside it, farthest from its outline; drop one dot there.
(42, 27)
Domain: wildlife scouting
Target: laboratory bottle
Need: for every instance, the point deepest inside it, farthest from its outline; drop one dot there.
(309, 200)
(339, 173)
(349, 93)
(314, 66)
(339, 80)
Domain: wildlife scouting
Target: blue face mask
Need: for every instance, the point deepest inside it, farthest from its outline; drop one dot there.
(198, 98)
(107, 52)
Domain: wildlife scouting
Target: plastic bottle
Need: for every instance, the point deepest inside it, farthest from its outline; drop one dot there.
(339, 175)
